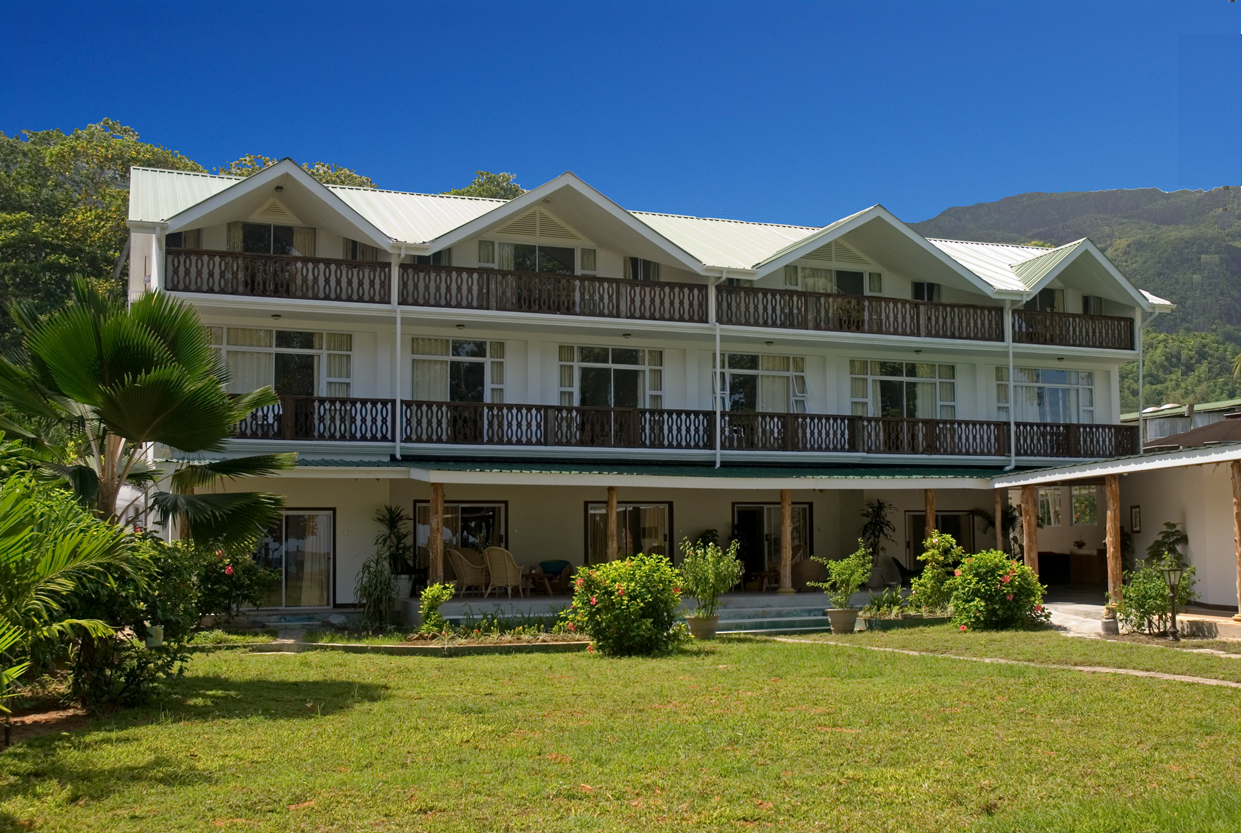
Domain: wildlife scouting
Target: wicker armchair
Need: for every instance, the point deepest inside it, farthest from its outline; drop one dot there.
(502, 571)
(468, 572)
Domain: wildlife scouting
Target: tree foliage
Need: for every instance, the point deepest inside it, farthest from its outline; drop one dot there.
(326, 172)
(63, 205)
(1183, 368)
(494, 186)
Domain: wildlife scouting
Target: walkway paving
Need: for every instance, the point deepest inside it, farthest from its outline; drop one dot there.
(1093, 669)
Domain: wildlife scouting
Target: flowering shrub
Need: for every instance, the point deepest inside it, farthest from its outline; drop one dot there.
(929, 589)
(627, 607)
(228, 582)
(990, 591)
(708, 572)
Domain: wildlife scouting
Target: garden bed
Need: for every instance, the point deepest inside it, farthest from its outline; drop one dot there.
(436, 649)
(880, 624)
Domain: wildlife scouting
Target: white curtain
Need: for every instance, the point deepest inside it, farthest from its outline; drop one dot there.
(505, 256)
(248, 371)
(233, 237)
(773, 394)
(816, 280)
(922, 400)
(305, 241)
(308, 553)
(430, 380)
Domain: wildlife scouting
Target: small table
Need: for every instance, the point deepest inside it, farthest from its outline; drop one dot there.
(531, 574)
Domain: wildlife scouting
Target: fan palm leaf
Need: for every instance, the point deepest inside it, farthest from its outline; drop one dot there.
(230, 520)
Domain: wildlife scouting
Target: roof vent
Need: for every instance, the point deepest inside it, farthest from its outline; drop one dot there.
(836, 252)
(538, 223)
(276, 213)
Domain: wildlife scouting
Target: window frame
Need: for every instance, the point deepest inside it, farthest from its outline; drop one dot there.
(653, 373)
(415, 545)
(765, 504)
(494, 361)
(221, 347)
(797, 391)
(1006, 393)
(668, 538)
(863, 406)
(1049, 506)
(1089, 492)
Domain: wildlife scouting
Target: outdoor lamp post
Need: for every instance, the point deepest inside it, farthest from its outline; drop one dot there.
(1172, 574)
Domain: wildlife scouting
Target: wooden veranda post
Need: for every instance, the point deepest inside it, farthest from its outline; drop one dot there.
(1115, 564)
(1236, 529)
(1028, 512)
(931, 514)
(436, 544)
(784, 565)
(1000, 522)
(611, 523)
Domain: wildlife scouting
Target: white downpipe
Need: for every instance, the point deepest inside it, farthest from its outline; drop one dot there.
(1141, 380)
(1011, 387)
(394, 296)
(717, 372)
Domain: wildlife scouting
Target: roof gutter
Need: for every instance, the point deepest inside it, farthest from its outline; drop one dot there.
(717, 372)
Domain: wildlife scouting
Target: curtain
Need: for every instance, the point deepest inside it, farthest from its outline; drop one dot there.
(233, 237)
(305, 241)
(816, 280)
(308, 551)
(430, 380)
(505, 256)
(192, 239)
(922, 400)
(248, 371)
(773, 394)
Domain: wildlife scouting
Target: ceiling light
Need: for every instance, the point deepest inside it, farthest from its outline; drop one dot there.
(279, 188)
(626, 335)
(769, 344)
(460, 326)
(276, 316)
(918, 352)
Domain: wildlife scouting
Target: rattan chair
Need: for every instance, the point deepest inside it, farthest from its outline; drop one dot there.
(468, 572)
(502, 571)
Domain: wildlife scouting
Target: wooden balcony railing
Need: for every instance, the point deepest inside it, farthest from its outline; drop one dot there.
(788, 309)
(276, 276)
(555, 426)
(495, 289)
(1067, 329)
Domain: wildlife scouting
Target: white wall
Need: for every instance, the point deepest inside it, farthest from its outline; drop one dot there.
(1199, 498)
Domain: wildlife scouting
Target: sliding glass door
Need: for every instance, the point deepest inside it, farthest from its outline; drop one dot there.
(642, 528)
(300, 548)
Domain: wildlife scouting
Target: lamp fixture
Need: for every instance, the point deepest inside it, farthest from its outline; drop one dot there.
(276, 316)
(1059, 359)
(769, 344)
(460, 326)
(547, 200)
(279, 188)
(626, 335)
(918, 352)
(1172, 571)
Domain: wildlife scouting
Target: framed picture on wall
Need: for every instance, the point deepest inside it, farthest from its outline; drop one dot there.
(1134, 515)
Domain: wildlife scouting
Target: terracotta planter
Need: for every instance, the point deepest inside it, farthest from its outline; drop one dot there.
(702, 627)
(842, 620)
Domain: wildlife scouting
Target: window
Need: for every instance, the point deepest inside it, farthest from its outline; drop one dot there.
(354, 250)
(1059, 396)
(818, 279)
(587, 260)
(639, 269)
(959, 525)
(758, 528)
(473, 526)
(1050, 506)
(526, 257)
(610, 377)
(262, 238)
(1091, 305)
(642, 528)
(485, 252)
(1085, 505)
(1046, 300)
(293, 362)
(926, 291)
(875, 283)
(458, 370)
(445, 257)
(922, 390)
(764, 384)
(300, 548)
(189, 239)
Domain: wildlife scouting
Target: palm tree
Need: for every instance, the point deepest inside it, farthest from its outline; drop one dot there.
(116, 380)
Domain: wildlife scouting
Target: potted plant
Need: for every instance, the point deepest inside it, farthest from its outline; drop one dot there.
(394, 539)
(843, 578)
(707, 573)
(876, 529)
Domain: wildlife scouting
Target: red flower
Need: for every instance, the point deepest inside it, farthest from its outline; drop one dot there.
(678, 590)
(1007, 578)
(229, 570)
(570, 626)
(579, 582)
(590, 649)
(1009, 597)
(957, 572)
(593, 600)
(963, 627)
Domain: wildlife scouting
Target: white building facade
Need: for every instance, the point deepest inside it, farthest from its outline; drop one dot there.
(542, 364)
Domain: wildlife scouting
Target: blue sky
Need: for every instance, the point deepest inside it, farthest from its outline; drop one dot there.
(780, 112)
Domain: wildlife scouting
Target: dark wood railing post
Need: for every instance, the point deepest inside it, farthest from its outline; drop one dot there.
(287, 417)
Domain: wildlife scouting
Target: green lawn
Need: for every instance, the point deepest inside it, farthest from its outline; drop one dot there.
(1050, 646)
(740, 733)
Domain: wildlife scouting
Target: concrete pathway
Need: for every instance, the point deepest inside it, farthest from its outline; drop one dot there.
(1093, 669)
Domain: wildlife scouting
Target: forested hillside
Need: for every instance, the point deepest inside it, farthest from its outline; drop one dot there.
(1183, 246)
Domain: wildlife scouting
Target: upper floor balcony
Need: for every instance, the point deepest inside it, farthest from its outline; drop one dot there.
(476, 424)
(470, 288)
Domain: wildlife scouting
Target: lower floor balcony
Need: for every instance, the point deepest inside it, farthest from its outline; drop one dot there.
(555, 426)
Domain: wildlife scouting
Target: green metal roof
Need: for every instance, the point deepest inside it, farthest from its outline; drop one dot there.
(1031, 271)
(1177, 410)
(659, 470)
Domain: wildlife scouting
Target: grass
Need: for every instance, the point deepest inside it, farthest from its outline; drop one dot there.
(738, 733)
(232, 637)
(1048, 646)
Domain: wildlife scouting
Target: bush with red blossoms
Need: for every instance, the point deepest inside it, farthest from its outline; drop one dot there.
(990, 591)
(627, 607)
(229, 582)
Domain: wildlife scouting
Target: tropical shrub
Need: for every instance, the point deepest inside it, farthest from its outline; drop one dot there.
(877, 527)
(121, 669)
(395, 538)
(1146, 604)
(929, 589)
(990, 591)
(629, 606)
(886, 605)
(227, 583)
(708, 572)
(844, 576)
(430, 601)
(376, 590)
(1167, 546)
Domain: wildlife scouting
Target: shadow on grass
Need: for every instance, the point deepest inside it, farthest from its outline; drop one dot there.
(196, 697)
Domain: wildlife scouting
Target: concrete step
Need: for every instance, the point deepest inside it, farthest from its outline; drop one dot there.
(780, 623)
(767, 631)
